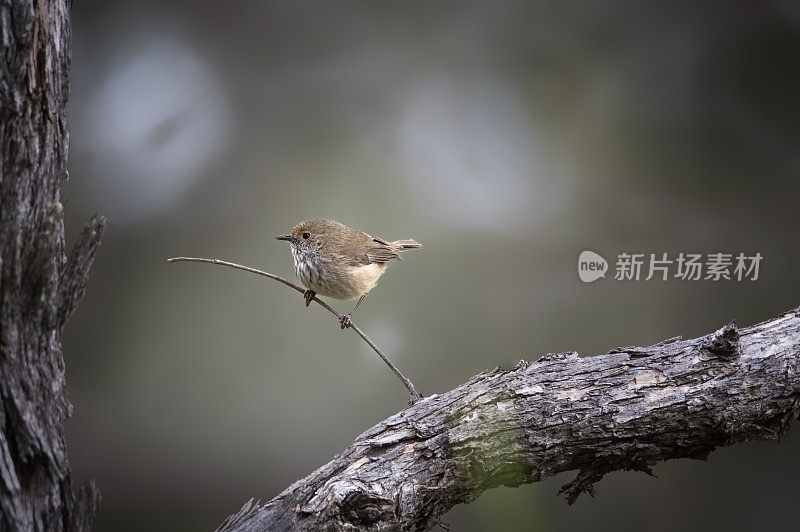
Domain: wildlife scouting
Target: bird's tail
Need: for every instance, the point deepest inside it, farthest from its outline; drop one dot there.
(406, 244)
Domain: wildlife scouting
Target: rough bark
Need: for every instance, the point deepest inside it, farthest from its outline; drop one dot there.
(39, 285)
(625, 410)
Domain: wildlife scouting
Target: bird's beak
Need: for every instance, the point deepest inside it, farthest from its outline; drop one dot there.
(288, 238)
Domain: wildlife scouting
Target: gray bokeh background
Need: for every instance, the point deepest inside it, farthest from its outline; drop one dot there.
(506, 137)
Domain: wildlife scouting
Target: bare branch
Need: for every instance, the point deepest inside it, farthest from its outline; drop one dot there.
(628, 409)
(414, 396)
(76, 270)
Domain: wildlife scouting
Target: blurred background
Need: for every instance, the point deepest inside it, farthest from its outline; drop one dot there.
(507, 137)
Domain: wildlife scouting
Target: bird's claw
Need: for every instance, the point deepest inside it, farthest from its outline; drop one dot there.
(345, 321)
(309, 296)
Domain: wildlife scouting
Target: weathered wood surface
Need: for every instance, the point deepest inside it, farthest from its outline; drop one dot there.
(39, 285)
(625, 410)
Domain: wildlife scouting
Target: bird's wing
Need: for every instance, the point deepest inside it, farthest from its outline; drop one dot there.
(380, 251)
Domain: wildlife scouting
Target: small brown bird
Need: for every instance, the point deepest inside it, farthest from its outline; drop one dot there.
(337, 261)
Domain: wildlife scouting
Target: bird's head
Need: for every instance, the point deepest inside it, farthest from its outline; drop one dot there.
(310, 235)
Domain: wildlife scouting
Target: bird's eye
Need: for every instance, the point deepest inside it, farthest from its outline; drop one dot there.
(306, 235)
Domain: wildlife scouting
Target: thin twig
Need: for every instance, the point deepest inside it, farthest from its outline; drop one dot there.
(414, 394)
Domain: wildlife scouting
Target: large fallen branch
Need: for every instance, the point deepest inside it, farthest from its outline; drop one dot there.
(628, 409)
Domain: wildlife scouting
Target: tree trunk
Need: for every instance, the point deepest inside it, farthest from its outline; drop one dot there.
(626, 410)
(39, 285)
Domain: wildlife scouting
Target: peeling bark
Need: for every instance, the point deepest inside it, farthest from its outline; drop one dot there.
(628, 409)
(39, 286)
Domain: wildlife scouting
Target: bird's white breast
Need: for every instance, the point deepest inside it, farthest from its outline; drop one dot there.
(340, 283)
